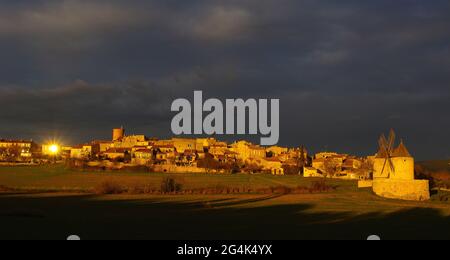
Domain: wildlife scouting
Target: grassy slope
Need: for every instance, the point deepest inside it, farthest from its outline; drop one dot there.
(439, 165)
(59, 178)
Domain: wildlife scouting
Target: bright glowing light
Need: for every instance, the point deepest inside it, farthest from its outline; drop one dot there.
(54, 148)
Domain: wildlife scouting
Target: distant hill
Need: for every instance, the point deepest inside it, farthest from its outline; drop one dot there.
(435, 166)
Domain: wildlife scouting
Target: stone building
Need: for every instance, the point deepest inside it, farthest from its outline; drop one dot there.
(24, 149)
(246, 151)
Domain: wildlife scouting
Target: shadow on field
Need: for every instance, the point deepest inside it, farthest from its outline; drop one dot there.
(230, 203)
(28, 217)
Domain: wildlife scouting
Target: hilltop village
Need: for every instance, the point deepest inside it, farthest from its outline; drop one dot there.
(181, 155)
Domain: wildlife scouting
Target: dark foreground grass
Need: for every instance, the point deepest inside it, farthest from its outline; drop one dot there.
(274, 217)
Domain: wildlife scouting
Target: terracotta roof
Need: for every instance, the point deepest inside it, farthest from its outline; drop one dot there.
(15, 141)
(272, 159)
(164, 146)
(339, 156)
(101, 142)
(144, 151)
(401, 151)
(254, 147)
(291, 161)
(219, 145)
(117, 150)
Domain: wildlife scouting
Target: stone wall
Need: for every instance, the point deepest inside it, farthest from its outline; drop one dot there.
(365, 184)
(416, 190)
(404, 168)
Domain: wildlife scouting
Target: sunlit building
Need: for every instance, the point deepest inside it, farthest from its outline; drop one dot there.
(22, 148)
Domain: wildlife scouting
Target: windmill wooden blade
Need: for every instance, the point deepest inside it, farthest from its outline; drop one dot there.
(391, 165)
(384, 166)
(388, 162)
(381, 142)
(384, 140)
(391, 141)
(381, 145)
(384, 147)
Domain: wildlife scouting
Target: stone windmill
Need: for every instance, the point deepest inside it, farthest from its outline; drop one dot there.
(394, 173)
(393, 162)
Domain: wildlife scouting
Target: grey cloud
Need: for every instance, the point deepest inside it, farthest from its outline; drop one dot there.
(90, 109)
(67, 17)
(220, 24)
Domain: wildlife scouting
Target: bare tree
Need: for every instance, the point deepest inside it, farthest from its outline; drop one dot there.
(208, 163)
(365, 170)
(331, 168)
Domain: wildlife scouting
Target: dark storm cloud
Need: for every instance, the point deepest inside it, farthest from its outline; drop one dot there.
(345, 71)
(78, 108)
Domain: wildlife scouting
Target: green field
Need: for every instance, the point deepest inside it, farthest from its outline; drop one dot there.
(58, 178)
(52, 203)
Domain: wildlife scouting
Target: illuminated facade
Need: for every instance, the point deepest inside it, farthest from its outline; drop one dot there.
(21, 148)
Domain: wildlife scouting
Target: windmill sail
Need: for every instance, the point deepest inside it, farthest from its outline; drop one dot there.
(386, 152)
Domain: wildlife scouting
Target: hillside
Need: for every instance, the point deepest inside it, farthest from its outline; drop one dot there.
(435, 166)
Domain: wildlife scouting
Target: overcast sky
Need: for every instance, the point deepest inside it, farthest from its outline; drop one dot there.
(344, 71)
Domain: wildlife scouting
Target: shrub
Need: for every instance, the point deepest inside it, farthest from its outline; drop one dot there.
(280, 190)
(320, 186)
(208, 163)
(252, 168)
(441, 196)
(109, 187)
(291, 170)
(170, 185)
(76, 164)
(300, 190)
(136, 189)
(441, 176)
(4, 189)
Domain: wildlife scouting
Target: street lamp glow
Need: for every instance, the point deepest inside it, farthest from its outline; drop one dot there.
(54, 148)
